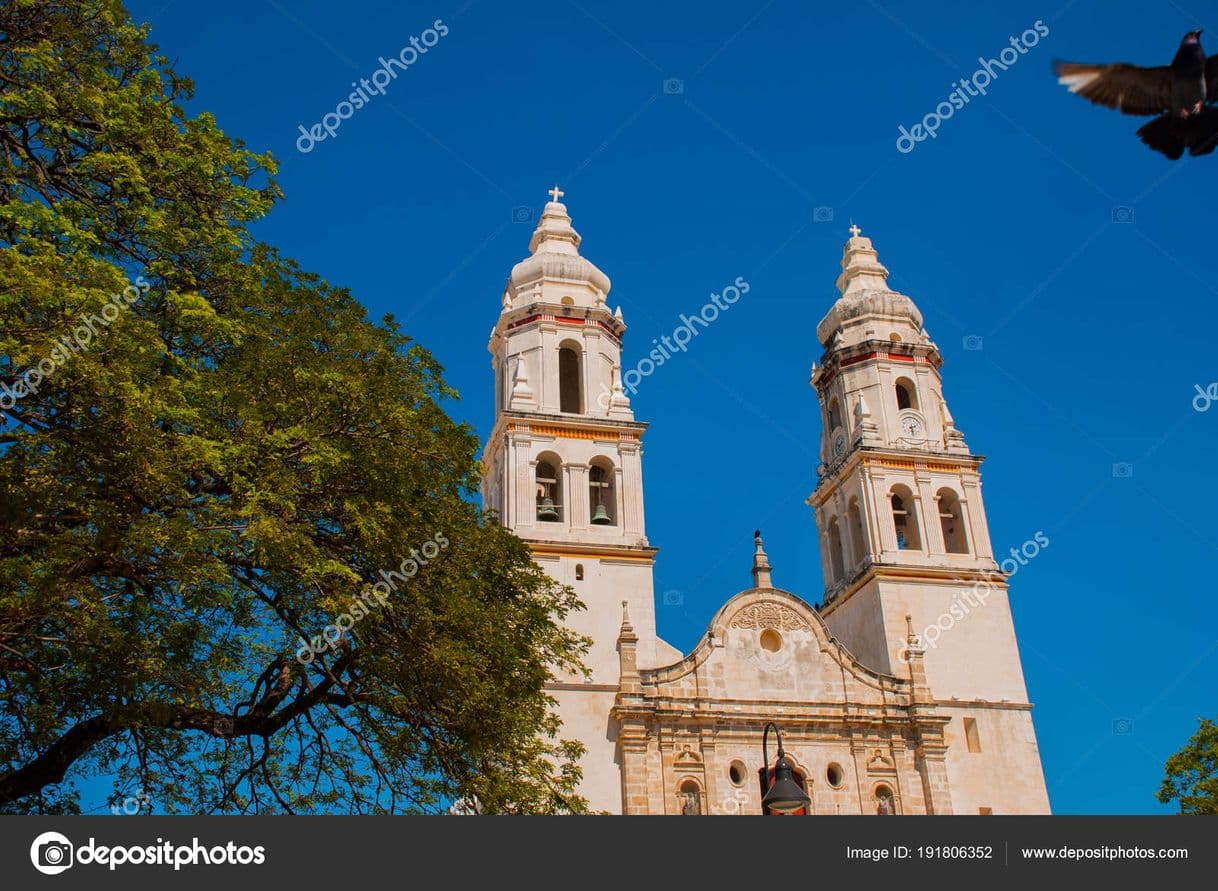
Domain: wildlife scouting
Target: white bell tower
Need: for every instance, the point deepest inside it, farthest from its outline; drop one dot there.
(564, 470)
(903, 533)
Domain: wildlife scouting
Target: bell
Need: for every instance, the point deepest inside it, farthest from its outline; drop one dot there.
(600, 517)
(546, 510)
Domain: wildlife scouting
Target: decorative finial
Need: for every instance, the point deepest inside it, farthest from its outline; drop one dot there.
(761, 563)
(855, 230)
(555, 193)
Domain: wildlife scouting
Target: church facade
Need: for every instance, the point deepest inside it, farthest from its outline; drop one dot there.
(874, 719)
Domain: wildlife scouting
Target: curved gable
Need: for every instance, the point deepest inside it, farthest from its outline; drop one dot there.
(768, 644)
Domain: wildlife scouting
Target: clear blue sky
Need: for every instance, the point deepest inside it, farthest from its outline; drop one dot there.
(1095, 331)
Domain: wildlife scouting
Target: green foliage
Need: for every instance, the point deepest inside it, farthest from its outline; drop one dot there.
(1192, 773)
(233, 459)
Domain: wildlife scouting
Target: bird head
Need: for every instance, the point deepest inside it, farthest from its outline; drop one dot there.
(1192, 37)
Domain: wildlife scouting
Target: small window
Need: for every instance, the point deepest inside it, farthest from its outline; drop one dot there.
(907, 395)
(836, 563)
(951, 518)
(568, 301)
(970, 735)
(905, 520)
(835, 414)
(737, 773)
(549, 492)
(602, 502)
(579, 572)
(834, 775)
(569, 384)
(985, 811)
(854, 519)
(771, 640)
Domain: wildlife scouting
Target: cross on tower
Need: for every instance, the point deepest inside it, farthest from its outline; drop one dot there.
(855, 230)
(555, 193)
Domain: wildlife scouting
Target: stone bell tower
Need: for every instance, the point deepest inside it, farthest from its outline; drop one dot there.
(564, 470)
(903, 532)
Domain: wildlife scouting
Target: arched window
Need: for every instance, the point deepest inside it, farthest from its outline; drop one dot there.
(549, 489)
(579, 572)
(602, 501)
(570, 389)
(951, 518)
(691, 798)
(835, 414)
(907, 393)
(905, 519)
(835, 551)
(854, 519)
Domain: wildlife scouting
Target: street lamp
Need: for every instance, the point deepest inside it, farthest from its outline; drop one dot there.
(783, 796)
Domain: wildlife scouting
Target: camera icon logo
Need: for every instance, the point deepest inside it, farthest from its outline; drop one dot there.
(974, 342)
(673, 598)
(674, 86)
(822, 214)
(522, 214)
(1122, 470)
(1122, 215)
(51, 853)
(1122, 726)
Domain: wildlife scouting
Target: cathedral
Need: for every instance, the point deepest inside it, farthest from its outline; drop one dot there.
(874, 718)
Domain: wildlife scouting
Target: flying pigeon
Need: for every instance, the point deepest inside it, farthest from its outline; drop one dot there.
(1177, 94)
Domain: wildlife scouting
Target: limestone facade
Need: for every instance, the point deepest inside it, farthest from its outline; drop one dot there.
(872, 718)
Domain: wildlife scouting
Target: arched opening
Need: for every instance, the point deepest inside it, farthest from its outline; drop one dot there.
(905, 519)
(836, 563)
(570, 389)
(885, 803)
(907, 393)
(579, 572)
(951, 518)
(854, 518)
(549, 489)
(835, 414)
(691, 798)
(602, 501)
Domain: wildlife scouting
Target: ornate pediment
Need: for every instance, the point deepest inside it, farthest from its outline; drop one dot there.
(770, 615)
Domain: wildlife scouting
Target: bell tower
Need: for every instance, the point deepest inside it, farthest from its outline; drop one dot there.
(903, 533)
(563, 470)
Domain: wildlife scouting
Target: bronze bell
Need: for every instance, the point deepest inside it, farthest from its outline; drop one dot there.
(600, 517)
(546, 510)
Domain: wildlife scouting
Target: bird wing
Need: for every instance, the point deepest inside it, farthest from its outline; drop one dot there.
(1127, 88)
(1211, 79)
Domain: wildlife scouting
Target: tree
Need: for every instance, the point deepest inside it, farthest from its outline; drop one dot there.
(241, 565)
(1192, 773)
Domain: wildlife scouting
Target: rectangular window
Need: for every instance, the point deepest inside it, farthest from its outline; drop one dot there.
(970, 735)
(985, 811)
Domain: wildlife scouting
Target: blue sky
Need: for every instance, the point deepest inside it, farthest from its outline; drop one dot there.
(1034, 221)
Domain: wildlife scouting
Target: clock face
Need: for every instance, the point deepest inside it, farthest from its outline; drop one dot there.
(839, 445)
(912, 427)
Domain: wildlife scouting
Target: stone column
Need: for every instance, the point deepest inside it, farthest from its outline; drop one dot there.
(575, 511)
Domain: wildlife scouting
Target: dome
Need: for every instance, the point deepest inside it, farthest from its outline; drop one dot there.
(865, 292)
(555, 257)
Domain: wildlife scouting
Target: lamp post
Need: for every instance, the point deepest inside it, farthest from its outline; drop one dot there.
(783, 796)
